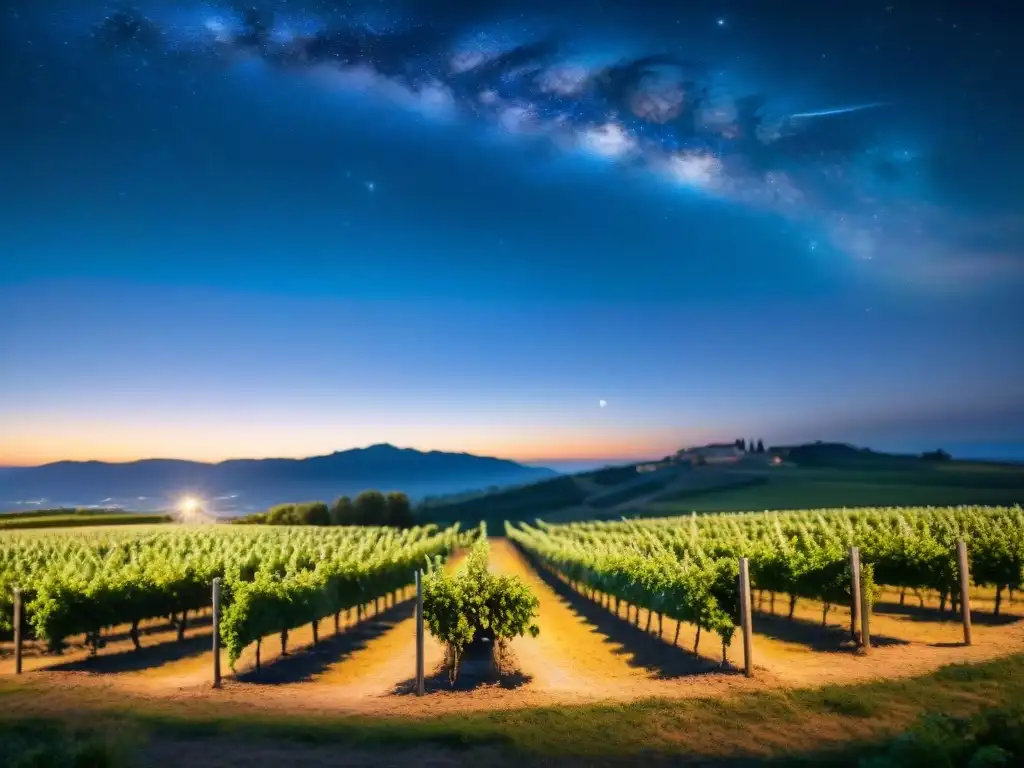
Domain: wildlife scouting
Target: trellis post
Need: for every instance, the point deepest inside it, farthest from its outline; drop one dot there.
(18, 621)
(855, 590)
(965, 587)
(748, 633)
(216, 632)
(419, 633)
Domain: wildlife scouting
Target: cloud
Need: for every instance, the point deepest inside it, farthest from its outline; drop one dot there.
(563, 80)
(610, 141)
(696, 169)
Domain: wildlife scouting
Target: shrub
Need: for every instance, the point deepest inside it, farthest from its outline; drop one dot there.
(476, 606)
(398, 510)
(343, 512)
(371, 508)
(993, 738)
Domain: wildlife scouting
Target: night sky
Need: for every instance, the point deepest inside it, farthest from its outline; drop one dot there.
(293, 228)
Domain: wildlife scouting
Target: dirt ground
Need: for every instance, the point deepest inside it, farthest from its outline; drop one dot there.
(584, 654)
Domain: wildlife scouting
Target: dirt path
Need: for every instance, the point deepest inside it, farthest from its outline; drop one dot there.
(584, 653)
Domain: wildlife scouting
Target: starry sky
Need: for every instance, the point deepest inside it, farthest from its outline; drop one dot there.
(293, 227)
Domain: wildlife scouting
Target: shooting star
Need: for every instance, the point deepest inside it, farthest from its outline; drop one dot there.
(841, 110)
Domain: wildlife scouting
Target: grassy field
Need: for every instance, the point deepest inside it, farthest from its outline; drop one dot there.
(844, 725)
(811, 489)
(72, 520)
(620, 491)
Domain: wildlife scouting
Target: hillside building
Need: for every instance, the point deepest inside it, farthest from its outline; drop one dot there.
(713, 453)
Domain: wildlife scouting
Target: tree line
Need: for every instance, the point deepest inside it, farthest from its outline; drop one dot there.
(750, 447)
(368, 508)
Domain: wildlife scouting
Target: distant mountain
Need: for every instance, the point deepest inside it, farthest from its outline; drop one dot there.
(241, 485)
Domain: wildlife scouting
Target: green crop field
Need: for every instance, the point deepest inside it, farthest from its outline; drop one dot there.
(796, 492)
(80, 521)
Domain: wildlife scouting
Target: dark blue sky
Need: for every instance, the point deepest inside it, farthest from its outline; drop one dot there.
(217, 247)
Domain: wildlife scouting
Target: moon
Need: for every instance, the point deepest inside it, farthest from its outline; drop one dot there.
(602, 403)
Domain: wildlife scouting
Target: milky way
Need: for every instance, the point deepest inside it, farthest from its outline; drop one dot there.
(825, 170)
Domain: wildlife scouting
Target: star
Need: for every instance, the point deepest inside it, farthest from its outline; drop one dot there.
(720, 22)
(370, 186)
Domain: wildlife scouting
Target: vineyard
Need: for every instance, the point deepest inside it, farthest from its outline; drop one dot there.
(686, 568)
(476, 607)
(274, 580)
(323, 617)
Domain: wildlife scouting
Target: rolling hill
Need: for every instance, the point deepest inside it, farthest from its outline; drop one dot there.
(814, 475)
(242, 485)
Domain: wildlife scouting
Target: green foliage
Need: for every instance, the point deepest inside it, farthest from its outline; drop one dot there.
(629, 493)
(44, 745)
(287, 593)
(686, 568)
(343, 512)
(282, 514)
(86, 519)
(475, 605)
(371, 508)
(993, 738)
(398, 510)
(64, 512)
(374, 508)
(612, 475)
(303, 513)
(514, 503)
(313, 513)
(274, 579)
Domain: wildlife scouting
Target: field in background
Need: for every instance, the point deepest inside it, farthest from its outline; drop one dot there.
(624, 492)
(77, 518)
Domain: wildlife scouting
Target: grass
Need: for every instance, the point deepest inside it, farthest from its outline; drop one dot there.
(46, 743)
(623, 495)
(79, 521)
(512, 504)
(612, 476)
(814, 491)
(834, 722)
(746, 488)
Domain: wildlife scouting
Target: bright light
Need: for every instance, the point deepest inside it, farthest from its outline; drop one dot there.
(188, 505)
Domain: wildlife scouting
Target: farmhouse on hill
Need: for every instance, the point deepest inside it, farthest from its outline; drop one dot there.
(713, 453)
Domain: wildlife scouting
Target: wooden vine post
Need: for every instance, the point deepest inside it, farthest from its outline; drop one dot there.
(419, 633)
(865, 620)
(965, 587)
(18, 621)
(856, 607)
(748, 633)
(216, 632)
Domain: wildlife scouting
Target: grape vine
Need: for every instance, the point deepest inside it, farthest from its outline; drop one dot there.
(274, 579)
(686, 567)
(476, 606)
